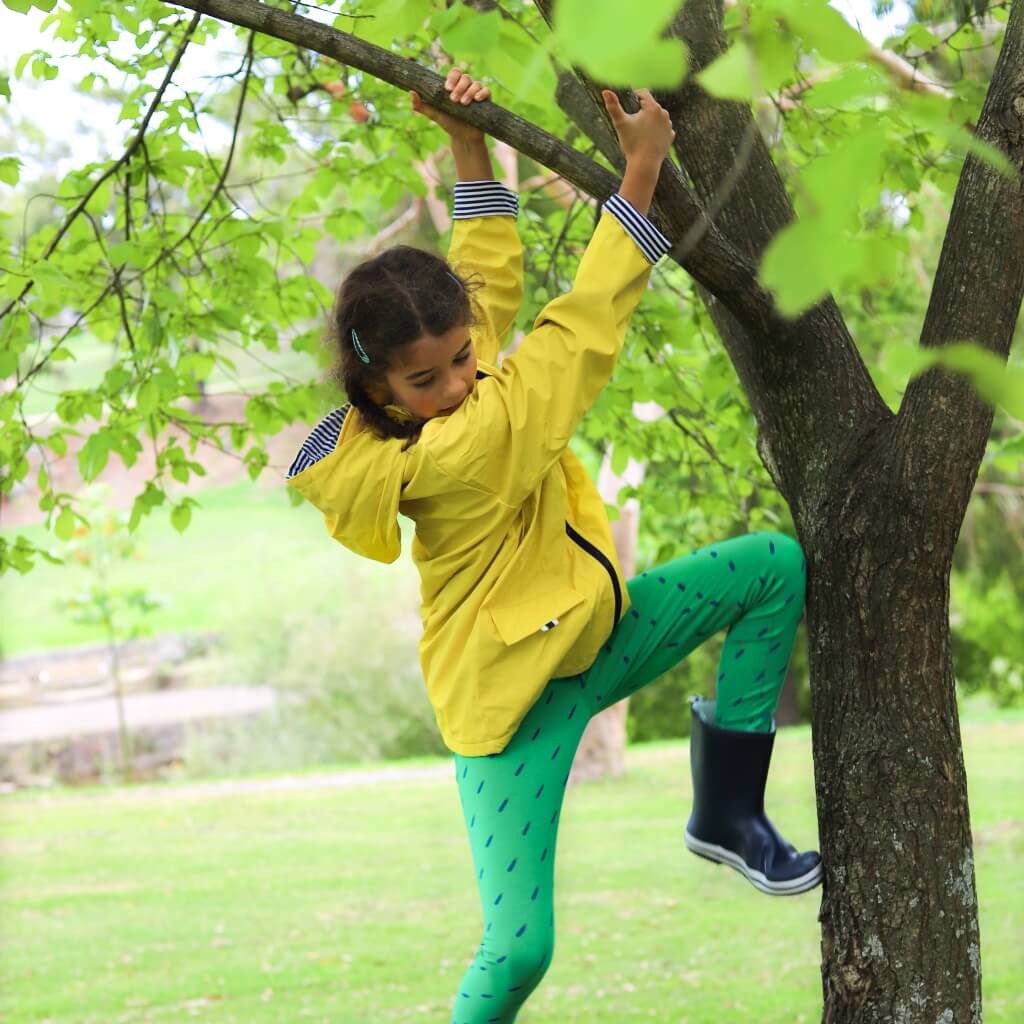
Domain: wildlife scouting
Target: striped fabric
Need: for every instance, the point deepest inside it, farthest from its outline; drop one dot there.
(321, 442)
(653, 244)
(484, 199)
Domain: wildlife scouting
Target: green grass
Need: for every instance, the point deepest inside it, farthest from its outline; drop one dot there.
(358, 906)
(245, 548)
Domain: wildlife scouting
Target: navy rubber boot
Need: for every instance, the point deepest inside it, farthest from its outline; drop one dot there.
(728, 824)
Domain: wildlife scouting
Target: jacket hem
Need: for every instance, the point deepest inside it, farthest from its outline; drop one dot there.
(483, 747)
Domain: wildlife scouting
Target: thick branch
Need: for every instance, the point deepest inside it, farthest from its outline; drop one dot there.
(808, 380)
(979, 283)
(713, 262)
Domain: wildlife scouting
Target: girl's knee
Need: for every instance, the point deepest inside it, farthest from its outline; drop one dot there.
(784, 552)
(517, 965)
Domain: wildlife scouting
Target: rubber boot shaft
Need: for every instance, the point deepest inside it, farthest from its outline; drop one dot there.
(730, 773)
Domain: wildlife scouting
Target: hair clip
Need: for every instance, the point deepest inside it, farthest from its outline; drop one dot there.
(359, 348)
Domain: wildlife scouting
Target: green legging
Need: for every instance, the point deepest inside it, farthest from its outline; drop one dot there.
(752, 584)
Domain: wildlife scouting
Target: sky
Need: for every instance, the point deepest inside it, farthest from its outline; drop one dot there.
(90, 128)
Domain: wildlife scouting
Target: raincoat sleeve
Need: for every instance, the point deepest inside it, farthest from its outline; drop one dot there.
(523, 416)
(485, 240)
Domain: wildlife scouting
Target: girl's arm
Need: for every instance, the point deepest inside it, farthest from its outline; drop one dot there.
(484, 236)
(472, 159)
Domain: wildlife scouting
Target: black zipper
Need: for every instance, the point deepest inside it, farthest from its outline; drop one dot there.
(602, 558)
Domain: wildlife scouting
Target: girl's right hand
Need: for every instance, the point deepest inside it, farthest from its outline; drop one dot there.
(646, 135)
(461, 89)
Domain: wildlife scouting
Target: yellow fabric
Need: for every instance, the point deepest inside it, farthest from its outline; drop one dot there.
(491, 488)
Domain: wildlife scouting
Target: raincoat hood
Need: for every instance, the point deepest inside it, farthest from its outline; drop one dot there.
(358, 484)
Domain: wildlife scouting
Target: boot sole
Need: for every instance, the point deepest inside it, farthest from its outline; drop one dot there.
(720, 855)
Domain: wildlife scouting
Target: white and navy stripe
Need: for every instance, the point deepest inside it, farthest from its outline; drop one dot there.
(484, 199)
(653, 244)
(493, 199)
(321, 442)
(549, 625)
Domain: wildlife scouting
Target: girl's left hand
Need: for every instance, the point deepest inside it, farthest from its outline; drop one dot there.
(461, 89)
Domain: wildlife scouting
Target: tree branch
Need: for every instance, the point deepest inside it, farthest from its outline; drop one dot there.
(713, 261)
(123, 159)
(979, 281)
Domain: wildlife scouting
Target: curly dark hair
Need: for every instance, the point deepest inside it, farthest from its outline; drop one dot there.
(392, 300)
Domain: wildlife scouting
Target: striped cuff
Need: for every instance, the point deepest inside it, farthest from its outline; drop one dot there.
(653, 244)
(484, 199)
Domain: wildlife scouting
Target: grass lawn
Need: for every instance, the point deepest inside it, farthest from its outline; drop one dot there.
(358, 906)
(210, 575)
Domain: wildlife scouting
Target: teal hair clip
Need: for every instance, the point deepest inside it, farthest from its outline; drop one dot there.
(359, 348)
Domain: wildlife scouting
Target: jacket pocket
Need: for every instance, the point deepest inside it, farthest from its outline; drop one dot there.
(515, 622)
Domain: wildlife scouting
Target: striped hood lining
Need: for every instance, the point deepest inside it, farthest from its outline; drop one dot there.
(321, 442)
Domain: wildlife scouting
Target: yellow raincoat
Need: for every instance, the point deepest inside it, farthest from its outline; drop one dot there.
(519, 578)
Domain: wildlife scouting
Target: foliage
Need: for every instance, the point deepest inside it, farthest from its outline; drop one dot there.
(188, 251)
(170, 266)
(97, 545)
(987, 620)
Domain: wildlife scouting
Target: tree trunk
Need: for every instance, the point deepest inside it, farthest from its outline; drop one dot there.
(899, 913)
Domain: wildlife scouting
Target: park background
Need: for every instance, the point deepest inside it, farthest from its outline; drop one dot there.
(307, 837)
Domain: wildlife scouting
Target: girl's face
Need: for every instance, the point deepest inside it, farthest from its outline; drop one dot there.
(434, 374)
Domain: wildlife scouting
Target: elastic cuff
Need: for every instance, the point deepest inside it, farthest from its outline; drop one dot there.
(653, 244)
(484, 199)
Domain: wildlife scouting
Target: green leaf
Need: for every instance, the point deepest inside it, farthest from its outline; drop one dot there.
(128, 252)
(65, 525)
(933, 113)
(731, 76)
(18, 6)
(742, 73)
(58, 443)
(621, 50)
(181, 516)
(853, 83)
(9, 168)
(808, 259)
(997, 383)
(473, 35)
(197, 365)
(391, 20)
(837, 185)
(93, 455)
(148, 398)
(826, 30)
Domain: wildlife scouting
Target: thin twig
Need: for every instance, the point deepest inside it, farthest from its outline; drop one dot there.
(132, 146)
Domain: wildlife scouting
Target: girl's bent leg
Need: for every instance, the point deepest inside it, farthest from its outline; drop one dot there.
(752, 585)
(511, 802)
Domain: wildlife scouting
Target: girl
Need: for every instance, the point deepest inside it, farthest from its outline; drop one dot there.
(529, 628)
